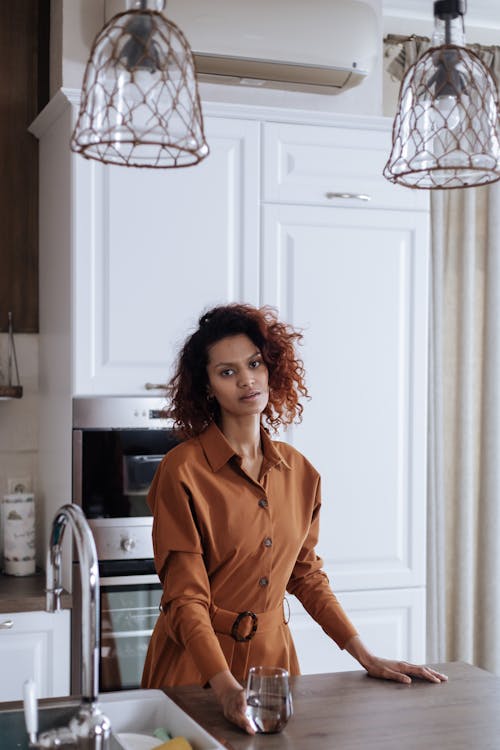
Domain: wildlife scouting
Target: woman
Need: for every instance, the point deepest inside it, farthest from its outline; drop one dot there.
(236, 517)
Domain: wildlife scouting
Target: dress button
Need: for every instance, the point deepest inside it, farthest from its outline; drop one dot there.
(263, 503)
(263, 581)
(268, 542)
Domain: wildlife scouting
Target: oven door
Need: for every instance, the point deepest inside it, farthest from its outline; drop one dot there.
(129, 610)
(129, 601)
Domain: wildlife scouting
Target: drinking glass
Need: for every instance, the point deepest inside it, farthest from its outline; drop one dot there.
(269, 699)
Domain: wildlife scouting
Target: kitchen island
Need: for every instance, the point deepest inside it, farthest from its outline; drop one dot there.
(340, 711)
(351, 711)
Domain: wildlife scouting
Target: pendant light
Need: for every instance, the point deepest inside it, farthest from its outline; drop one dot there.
(140, 104)
(446, 131)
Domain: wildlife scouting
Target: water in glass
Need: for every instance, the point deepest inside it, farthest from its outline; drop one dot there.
(269, 700)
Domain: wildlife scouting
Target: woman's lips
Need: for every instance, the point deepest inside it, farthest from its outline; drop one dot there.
(250, 396)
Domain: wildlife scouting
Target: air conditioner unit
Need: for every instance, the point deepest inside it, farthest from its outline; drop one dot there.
(327, 45)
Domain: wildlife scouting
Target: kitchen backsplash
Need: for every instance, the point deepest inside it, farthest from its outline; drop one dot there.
(19, 419)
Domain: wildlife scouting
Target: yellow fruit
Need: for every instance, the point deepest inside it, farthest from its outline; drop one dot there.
(178, 743)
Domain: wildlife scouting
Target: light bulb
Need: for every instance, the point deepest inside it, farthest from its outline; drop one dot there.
(439, 115)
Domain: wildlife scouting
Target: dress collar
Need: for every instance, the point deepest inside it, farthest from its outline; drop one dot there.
(218, 451)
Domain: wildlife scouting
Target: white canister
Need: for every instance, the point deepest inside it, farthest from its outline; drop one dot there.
(18, 511)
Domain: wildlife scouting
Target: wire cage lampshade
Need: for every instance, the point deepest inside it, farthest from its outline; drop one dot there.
(140, 104)
(446, 131)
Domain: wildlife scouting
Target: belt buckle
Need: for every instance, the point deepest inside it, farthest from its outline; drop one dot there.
(236, 624)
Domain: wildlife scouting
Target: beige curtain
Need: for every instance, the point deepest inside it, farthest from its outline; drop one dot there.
(401, 52)
(464, 413)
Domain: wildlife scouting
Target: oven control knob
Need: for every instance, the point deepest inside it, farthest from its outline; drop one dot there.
(127, 544)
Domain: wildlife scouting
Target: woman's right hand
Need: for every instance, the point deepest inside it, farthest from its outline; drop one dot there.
(231, 697)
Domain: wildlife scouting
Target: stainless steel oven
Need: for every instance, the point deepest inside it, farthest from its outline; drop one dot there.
(118, 444)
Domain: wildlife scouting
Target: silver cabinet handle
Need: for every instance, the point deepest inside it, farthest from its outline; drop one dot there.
(349, 196)
(155, 386)
(6, 624)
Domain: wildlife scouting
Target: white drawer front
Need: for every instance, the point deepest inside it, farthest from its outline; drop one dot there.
(339, 166)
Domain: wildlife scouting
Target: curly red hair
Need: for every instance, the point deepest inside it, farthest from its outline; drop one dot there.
(190, 407)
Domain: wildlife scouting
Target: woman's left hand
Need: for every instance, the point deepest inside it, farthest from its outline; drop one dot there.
(391, 669)
(401, 671)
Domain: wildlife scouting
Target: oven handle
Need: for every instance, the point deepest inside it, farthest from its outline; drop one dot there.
(129, 580)
(126, 567)
(146, 457)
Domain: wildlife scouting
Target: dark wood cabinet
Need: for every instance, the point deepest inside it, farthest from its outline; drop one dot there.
(24, 86)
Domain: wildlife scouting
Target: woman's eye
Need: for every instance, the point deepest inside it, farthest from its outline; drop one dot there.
(226, 373)
(255, 363)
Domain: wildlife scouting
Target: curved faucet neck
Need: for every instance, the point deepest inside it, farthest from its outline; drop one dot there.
(73, 516)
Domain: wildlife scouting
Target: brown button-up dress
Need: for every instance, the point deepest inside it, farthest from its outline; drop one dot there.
(223, 541)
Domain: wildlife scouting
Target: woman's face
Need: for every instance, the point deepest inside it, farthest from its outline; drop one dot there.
(237, 376)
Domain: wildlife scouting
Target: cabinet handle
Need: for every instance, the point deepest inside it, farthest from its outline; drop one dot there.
(155, 386)
(6, 624)
(350, 196)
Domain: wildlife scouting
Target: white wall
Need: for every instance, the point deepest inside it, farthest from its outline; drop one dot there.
(74, 26)
(76, 22)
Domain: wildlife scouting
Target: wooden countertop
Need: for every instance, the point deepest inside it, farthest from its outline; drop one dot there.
(26, 593)
(351, 711)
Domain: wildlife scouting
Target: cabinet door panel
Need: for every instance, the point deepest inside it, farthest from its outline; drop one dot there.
(36, 647)
(391, 624)
(356, 282)
(166, 244)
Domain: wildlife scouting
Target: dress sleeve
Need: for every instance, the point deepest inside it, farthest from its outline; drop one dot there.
(178, 554)
(310, 584)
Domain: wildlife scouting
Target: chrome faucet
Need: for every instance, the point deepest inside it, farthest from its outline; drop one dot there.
(89, 729)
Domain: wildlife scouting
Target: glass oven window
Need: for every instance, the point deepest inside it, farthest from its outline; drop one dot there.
(117, 469)
(138, 473)
(128, 616)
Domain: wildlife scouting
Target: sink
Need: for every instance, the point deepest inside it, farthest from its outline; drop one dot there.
(12, 727)
(129, 711)
(143, 711)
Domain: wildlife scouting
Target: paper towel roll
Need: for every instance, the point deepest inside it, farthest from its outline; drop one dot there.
(18, 512)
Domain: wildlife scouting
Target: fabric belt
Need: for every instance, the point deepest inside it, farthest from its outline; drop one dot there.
(242, 626)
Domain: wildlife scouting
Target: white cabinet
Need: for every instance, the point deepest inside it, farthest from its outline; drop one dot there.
(355, 280)
(130, 257)
(338, 164)
(356, 283)
(35, 645)
(164, 245)
(389, 621)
